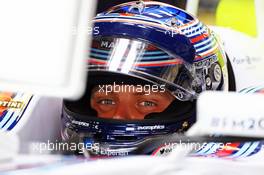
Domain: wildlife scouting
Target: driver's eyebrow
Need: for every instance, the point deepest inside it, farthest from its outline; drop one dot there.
(140, 93)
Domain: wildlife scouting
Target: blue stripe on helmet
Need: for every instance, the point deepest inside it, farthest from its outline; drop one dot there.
(178, 45)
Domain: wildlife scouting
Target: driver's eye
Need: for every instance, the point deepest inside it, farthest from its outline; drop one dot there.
(147, 104)
(106, 102)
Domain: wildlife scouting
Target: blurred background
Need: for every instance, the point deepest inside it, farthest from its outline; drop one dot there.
(236, 14)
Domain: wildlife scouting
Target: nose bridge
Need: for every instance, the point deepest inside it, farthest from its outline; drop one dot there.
(122, 111)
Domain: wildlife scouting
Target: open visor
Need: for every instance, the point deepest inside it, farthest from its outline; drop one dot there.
(142, 60)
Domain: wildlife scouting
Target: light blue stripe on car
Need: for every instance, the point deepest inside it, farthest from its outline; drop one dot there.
(213, 149)
(6, 118)
(10, 122)
(251, 149)
(207, 147)
(241, 151)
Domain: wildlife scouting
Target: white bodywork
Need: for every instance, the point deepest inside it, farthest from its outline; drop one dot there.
(44, 45)
(246, 56)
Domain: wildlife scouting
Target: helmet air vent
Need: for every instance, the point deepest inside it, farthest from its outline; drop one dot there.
(138, 6)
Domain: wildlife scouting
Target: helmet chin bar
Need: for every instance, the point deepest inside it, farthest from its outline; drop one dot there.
(146, 146)
(117, 138)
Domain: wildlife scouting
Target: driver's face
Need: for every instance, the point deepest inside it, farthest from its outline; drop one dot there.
(129, 105)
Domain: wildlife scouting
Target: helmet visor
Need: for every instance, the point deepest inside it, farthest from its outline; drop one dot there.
(142, 60)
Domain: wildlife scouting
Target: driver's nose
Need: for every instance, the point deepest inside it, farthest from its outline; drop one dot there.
(122, 112)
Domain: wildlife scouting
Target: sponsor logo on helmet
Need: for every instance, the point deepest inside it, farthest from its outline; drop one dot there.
(106, 44)
(207, 62)
(80, 123)
(153, 127)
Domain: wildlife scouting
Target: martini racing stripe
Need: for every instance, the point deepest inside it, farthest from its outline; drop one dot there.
(205, 148)
(205, 48)
(203, 43)
(145, 53)
(213, 149)
(101, 56)
(251, 149)
(7, 117)
(252, 89)
(10, 121)
(241, 151)
(140, 64)
(20, 114)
